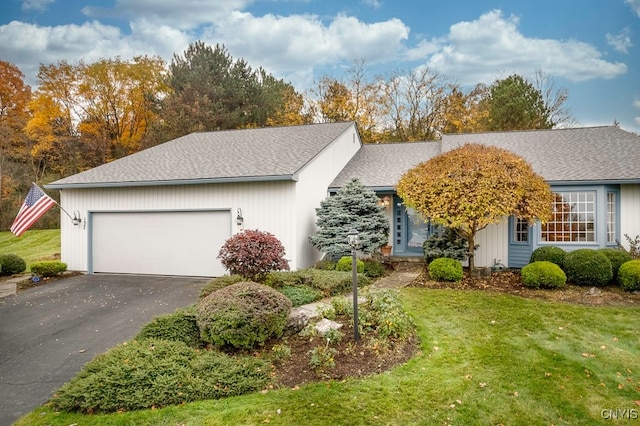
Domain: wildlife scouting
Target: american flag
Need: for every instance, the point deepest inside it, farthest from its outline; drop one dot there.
(35, 205)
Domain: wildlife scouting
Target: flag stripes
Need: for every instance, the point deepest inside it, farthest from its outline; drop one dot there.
(35, 205)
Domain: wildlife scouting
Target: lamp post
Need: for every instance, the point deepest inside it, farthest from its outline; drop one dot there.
(353, 242)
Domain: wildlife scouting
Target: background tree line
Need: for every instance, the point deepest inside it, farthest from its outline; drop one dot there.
(82, 115)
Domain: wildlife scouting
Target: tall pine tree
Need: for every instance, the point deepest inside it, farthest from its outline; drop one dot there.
(353, 207)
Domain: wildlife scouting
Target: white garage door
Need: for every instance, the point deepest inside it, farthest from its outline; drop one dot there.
(159, 243)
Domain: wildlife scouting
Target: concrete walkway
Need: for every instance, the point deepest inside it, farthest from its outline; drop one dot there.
(403, 274)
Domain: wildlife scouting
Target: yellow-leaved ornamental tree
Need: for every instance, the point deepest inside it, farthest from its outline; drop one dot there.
(473, 186)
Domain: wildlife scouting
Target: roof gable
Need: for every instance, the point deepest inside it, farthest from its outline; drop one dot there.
(270, 153)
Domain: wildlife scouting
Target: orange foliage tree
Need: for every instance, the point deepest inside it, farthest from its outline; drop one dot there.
(473, 186)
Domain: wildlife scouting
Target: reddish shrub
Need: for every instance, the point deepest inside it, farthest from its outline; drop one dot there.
(253, 254)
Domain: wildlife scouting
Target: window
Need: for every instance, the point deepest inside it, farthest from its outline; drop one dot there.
(521, 231)
(574, 218)
(611, 217)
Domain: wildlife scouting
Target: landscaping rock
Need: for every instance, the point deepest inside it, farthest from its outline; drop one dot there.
(325, 325)
(298, 320)
(593, 291)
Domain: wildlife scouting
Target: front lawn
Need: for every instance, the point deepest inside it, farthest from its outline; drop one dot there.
(33, 245)
(486, 358)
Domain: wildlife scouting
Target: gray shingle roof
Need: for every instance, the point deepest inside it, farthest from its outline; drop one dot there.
(590, 154)
(382, 165)
(271, 153)
(567, 155)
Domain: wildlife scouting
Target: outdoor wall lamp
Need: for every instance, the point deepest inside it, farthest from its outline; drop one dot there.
(239, 218)
(352, 237)
(76, 218)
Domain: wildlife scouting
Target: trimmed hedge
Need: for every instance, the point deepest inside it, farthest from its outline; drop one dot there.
(617, 258)
(48, 268)
(543, 274)
(549, 253)
(12, 264)
(218, 283)
(629, 275)
(345, 264)
(179, 326)
(446, 269)
(242, 315)
(588, 267)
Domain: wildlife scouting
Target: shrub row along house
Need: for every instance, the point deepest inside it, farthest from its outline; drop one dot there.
(168, 209)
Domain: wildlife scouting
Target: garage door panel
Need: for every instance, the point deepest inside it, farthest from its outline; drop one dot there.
(161, 243)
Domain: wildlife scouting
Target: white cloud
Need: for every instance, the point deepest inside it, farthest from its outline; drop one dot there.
(620, 42)
(635, 5)
(293, 46)
(39, 5)
(373, 3)
(183, 14)
(476, 51)
(27, 45)
(636, 103)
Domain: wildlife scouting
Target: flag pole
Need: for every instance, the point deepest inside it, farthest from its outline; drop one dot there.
(58, 204)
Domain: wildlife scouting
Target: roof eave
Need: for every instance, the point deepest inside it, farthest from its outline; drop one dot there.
(173, 182)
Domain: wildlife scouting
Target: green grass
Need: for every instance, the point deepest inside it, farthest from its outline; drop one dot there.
(32, 245)
(485, 359)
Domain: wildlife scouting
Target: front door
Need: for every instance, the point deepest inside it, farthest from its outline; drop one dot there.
(410, 230)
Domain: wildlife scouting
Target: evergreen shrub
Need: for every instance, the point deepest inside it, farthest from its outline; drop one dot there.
(218, 283)
(48, 268)
(242, 315)
(629, 275)
(345, 264)
(445, 269)
(617, 258)
(445, 244)
(373, 268)
(179, 326)
(543, 274)
(588, 268)
(550, 254)
(155, 373)
(300, 295)
(12, 264)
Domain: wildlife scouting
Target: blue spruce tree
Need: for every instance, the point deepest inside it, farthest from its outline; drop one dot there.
(352, 207)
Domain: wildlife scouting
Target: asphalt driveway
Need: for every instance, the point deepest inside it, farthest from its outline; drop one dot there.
(48, 333)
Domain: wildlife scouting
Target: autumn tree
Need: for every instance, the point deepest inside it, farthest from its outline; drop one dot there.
(473, 186)
(86, 114)
(353, 98)
(15, 95)
(352, 207)
(554, 99)
(465, 112)
(414, 103)
(515, 104)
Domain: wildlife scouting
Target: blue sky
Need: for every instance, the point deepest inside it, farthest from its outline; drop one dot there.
(591, 47)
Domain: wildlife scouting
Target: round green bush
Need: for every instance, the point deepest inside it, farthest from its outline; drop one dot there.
(12, 264)
(344, 264)
(242, 315)
(629, 275)
(373, 268)
(218, 283)
(617, 258)
(543, 274)
(179, 326)
(549, 253)
(445, 269)
(48, 268)
(588, 267)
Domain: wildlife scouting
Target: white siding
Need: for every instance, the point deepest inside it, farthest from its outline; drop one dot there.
(311, 189)
(629, 212)
(265, 206)
(494, 245)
